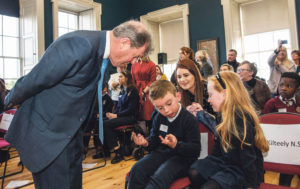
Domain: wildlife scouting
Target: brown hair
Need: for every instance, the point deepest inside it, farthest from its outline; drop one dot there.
(160, 88)
(128, 76)
(160, 72)
(199, 82)
(237, 100)
(189, 51)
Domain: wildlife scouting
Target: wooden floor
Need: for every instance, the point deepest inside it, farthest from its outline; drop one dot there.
(110, 176)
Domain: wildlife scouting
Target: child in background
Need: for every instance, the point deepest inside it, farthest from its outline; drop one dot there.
(286, 101)
(173, 144)
(236, 161)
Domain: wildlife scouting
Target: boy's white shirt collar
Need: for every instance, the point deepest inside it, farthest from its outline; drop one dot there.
(288, 100)
(107, 46)
(171, 119)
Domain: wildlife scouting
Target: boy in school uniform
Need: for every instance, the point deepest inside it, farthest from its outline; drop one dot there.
(173, 144)
(286, 101)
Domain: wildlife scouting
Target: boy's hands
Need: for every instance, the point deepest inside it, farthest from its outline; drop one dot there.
(139, 139)
(170, 140)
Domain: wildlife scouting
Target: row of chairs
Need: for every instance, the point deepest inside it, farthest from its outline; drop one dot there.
(269, 119)
(5, 147)
(273, 118)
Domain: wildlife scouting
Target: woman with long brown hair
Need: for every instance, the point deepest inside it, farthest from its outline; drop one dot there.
(236, 161)
(192, 86)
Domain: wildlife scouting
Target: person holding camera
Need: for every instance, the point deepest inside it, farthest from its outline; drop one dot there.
(279, 63)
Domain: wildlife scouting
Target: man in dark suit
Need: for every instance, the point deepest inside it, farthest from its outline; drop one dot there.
(56, 99)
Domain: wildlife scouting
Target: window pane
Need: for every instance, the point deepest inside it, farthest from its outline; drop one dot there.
(1, 46)
(263, 59)
(62, 31)
(0, 24)
(62, 19)
(265, 41)
(11, 68)
(1, 68)
(251, 43)
(10, 83)
(11, 45)
(73, 21)
(282, 35)
(10, 26)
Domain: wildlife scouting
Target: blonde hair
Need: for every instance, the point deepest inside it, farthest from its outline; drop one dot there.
(230, 68)
(202, 55)
(286, 61)
(237, 100)
(160, 88)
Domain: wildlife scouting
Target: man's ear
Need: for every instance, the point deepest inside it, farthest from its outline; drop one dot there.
(178, 96)
(125, 43)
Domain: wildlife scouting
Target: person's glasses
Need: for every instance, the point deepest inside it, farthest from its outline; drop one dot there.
(241, 70)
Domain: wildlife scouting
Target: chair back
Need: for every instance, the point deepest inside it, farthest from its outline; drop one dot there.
(12, 111)
(207, 141)
(282, 131)
(207, 145)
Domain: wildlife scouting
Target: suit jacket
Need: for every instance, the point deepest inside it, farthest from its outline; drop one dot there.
(55, 97)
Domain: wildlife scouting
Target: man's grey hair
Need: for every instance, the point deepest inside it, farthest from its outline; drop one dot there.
(252, 67)
(136, 32)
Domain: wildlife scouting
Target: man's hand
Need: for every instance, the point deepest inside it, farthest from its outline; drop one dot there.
(111, 115)
(170, 140)
(139, 139)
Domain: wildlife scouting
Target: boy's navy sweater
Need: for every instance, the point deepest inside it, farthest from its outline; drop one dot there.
(185, 128)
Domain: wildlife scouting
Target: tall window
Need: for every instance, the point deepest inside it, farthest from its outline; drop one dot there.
(67, 22)
(9, 50)
(259, 47)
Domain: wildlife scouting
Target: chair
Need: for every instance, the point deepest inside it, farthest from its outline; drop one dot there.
(4, 145)
(279, 120)
(123, 129)
(184, 181)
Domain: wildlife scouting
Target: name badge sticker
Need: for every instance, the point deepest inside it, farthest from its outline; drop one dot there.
(282, 110)
(163, 128)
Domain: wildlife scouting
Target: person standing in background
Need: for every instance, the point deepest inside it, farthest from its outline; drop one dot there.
(143, 75)
(201, 58)
(231, 59)
(278, 63)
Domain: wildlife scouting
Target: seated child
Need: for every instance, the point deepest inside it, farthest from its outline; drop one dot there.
(236, 161)
(173, 144)
(286, 101)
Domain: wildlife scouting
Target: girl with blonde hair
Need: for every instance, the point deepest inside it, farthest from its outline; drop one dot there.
(236, 161)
